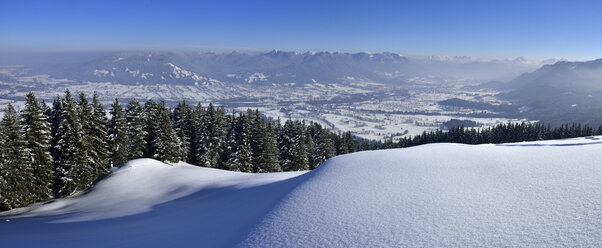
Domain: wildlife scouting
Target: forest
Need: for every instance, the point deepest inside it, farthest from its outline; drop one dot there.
(61, 150)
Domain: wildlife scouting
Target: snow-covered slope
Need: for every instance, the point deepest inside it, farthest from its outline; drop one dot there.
(532, 194)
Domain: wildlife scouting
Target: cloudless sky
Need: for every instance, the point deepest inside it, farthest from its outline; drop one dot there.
(492, 29)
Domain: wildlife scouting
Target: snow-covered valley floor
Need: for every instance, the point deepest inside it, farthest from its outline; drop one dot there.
(531, 194)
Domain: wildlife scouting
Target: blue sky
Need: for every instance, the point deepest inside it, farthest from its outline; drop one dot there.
(493, 29)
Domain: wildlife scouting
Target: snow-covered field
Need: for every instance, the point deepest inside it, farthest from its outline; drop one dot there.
(531, 194)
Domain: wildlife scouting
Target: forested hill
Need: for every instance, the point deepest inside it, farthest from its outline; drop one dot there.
(63, 149)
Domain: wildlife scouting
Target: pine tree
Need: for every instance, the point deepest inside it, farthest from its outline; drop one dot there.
(269, 152)
(16, 172)
(71, 161)
(118, 141)
(150, 113)
(257, 138)
(324, 145)
(293, 155)
(183, 126)
(36, 129)
(198, 133)
(136, 131)
(310, 146)
(239, 145)
(86, 140)
(98, 136)
(167, 144)
(212, 139)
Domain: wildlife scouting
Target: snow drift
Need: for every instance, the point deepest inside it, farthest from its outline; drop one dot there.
(531, 194)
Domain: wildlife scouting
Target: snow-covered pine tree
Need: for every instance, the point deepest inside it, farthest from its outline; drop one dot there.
(150, 113)
(98, 135)
(340, 145)
(16, 171)
(118, 141)
(212, 137)
(86, 139)
(136, 131)
(183, 125)
(219, 137)
(348, 142)
(167, 144)
(324, 145)
(71, 161)
(36, 129)
(310, 146)
(240, 158)
(54, 119)
(231, 150)
(269, 152)
(293, 155)
(257, 132)
(197, 134)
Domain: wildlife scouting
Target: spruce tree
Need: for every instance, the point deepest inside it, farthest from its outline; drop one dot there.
(16, 171)
(86, 139)
(183, 126)
(136, 131)
(198, 133)
(293, 155)
(239, 139)
(212, 139)
(167, 144)
(257, 138)
(98, 136)
(150, 113)
(36, 129)
(269, 152)
(324, 145)
(118, 141)
(71, 169)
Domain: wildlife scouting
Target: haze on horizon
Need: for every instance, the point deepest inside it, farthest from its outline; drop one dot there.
(486, 29)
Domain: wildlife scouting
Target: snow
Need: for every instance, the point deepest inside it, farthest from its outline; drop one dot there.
(256, 77)
(529, 194)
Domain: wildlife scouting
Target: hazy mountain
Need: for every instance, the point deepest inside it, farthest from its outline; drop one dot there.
(274, 67)
(560, 92)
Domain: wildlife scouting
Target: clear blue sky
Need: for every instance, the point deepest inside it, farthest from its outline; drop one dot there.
(534, 29)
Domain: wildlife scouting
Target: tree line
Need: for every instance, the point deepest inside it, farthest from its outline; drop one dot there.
(501, 133)
(62, 149)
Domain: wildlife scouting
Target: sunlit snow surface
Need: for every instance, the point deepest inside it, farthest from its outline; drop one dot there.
(531, 194)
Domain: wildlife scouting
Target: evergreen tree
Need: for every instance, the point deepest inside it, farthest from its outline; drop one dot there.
(257, 138)
(98, 137)
(184, 128)
(136, 131)
(86, 139)
(198, 133)
(212, 139)
(71, 161)
(16, 172)
(239, 141)
(118, 140)
(324, 145)
(269, 152)
(36, 129)
(150, 112)
(167, 144)
(293, 155)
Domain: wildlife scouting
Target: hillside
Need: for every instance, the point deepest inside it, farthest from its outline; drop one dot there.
(529, 194)
(558, 93)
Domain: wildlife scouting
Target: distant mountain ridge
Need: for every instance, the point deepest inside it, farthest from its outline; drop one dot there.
(280, 67)
(560, 92)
